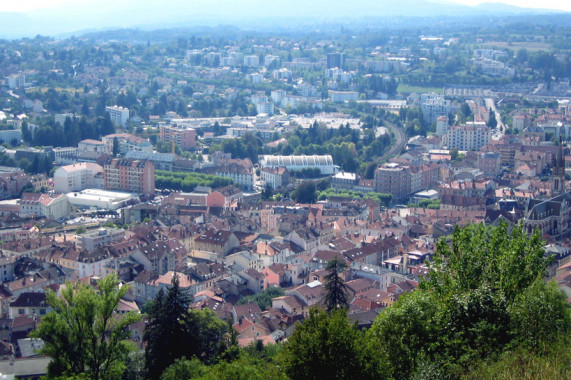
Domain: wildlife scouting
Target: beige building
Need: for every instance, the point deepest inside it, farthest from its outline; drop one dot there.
(39, 204)
(77, 177)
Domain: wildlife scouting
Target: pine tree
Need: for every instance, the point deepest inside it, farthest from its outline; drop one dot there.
(167, 332)
(335, 289)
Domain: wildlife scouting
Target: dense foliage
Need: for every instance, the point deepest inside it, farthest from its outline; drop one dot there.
(263, 299)
(175, 332)
(485, 295)
(187, 181)
(327, 346)
(83, 334)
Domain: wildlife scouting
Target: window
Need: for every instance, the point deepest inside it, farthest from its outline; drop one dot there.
(21, 311)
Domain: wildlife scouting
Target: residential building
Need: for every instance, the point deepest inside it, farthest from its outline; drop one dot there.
(12, 181)
(183, 137)
(393, 178)
(78, 177)
(240, 171)
(65, 155)
(343, 96)
(129, 175)
(442, 125)
(335, 60)
(29, 303)
(118, 115)
(90, 145)
(434, 105)
(52, 207)
(467, 137)
(489, 163)
(11, 136)
(274, 177)
(220, 242)
(93, 239)
(126, 143)
(344, 181)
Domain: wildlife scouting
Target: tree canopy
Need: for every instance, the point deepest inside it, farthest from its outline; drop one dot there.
(485, 294)
(83, 334)
(175, 332)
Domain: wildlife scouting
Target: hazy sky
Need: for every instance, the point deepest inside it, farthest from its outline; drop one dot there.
(27, 5)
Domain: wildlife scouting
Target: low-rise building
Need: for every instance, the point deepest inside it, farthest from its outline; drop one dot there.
(52, 207)
(93, 239)
(274, 177)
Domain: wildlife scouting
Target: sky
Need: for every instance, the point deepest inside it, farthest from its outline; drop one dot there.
(30, 5)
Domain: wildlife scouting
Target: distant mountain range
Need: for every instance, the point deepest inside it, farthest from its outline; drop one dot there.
(251, 14)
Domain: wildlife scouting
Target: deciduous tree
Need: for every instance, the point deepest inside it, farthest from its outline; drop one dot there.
(83, 334)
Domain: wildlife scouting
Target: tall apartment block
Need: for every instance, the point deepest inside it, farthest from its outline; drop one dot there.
(136, 176)
(183, 137)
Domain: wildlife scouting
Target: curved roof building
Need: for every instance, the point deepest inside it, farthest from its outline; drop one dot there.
(324, 163)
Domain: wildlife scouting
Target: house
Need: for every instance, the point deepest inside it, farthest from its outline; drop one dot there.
(254, 280)
(292, 305)
(148, 283)
(248, 329)
(28, 303)
(220, 242)
(310, 294)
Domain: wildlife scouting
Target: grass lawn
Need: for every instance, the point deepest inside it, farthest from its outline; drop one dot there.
(404, 88)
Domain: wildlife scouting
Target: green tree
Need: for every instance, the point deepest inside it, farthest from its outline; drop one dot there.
(336, 296)
(453, 153)
(83, 334)
(484, 294)
(175, 332)
(115, 146)
(166, 332)
(492, 122)
(539, 315)
(305, 192)
(183, 369)
(327, 346)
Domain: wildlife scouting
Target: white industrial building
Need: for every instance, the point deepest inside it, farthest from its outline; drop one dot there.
(100, 199)
(323, 163)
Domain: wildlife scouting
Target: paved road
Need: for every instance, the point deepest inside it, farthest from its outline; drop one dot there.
(490, 104)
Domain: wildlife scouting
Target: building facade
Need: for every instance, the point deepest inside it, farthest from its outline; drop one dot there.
(126, 174)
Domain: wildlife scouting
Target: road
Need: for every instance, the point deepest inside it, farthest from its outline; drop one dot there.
(490, 104)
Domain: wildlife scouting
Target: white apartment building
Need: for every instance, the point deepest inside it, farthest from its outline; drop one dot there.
(118, 115)
(251, 61)
(93, 239)
(77, 177)
(343, 96)
(90, 145)
(11, 135)
(65, 155)
(433, 106)
(442, 125)
(467, 137)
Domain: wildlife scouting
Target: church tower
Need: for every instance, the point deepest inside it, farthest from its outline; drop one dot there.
(558, 176)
